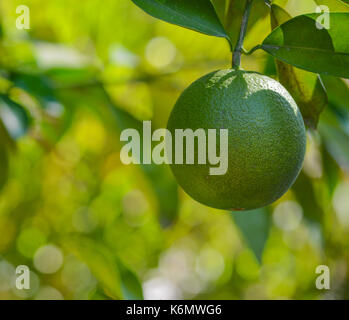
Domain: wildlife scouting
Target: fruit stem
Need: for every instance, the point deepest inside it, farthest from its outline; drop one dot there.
(238, 48)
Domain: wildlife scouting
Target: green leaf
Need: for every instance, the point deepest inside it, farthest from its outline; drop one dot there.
(278, 16)
(334, 5)
(337, 91)
(4, 166)
(221, 7)
(305, 87)
(336, 142)
(131, 286)
(6, 140)
(100, 261)
(305, 194)
(198, 15)
(307, 90)
(300, 43)
(231, 12)
(331, 171)
(37, 85)
(14, 117)
(68, 77)
(270, 67)
(255, 226)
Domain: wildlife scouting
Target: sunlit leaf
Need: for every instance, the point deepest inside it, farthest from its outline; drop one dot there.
(335, 5)
(254, 226)
(231, 12)
(316, 50)
(100, 261)
(305, 87)
(278, 16)
(221, 7)
(270, 67)
(198, 15)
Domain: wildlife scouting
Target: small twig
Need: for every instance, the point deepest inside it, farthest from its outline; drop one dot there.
(247, 53)
(238, 48)
(268, 3)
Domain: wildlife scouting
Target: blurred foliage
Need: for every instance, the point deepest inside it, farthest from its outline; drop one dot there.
(90, 227)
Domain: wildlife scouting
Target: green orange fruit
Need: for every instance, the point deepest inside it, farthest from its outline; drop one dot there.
(266, 141)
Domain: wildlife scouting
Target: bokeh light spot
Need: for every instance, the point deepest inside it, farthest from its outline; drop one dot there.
(48, 259)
